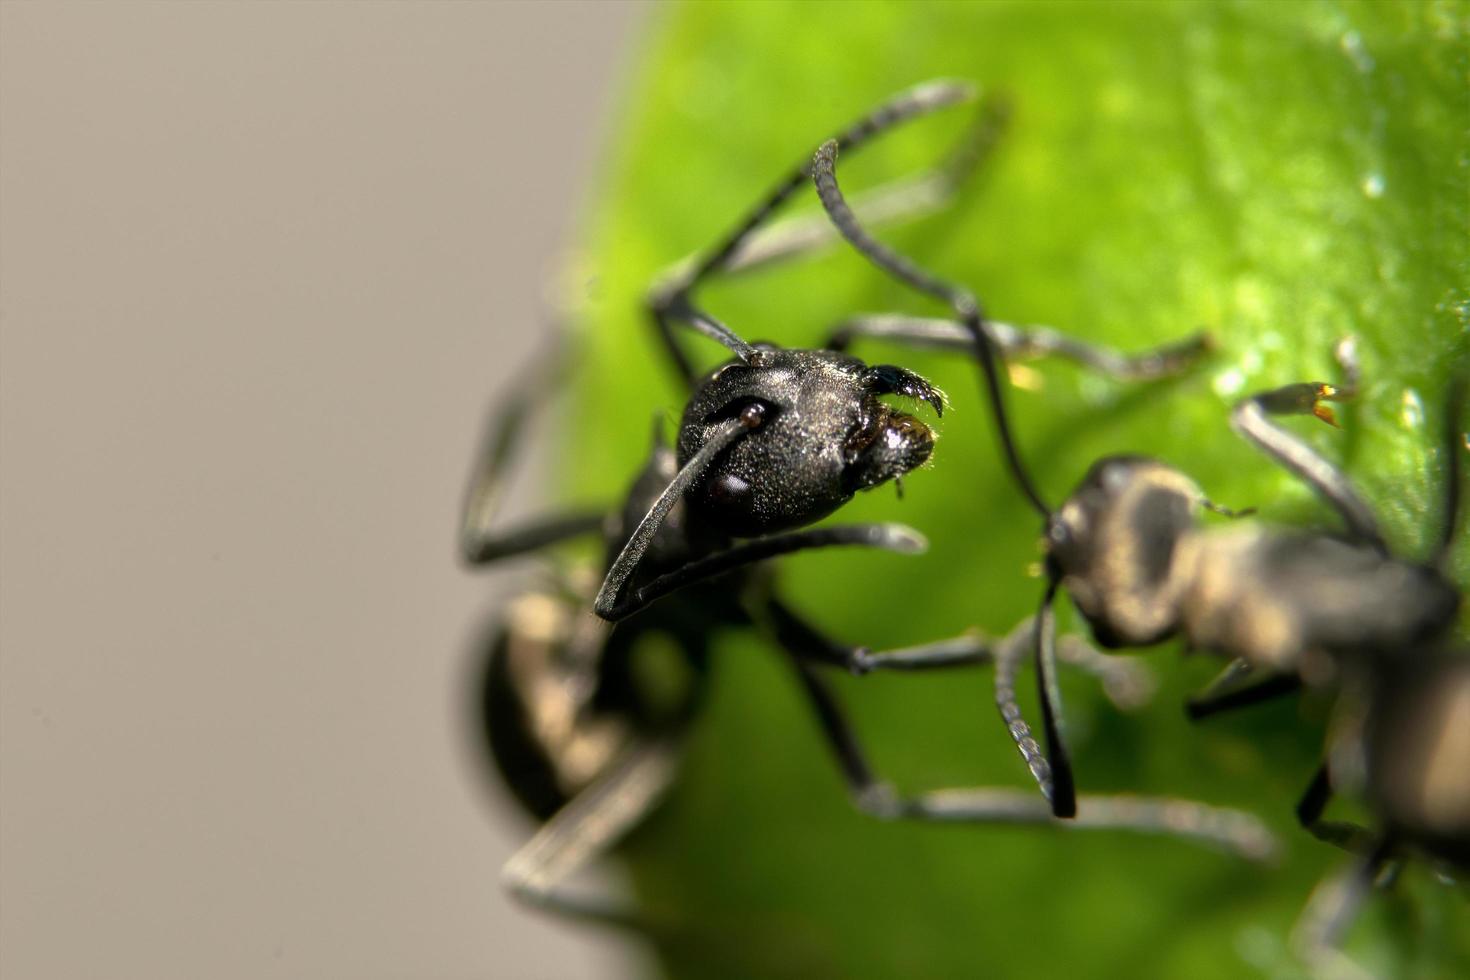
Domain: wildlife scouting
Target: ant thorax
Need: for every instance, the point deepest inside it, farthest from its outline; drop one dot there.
(1298, 602)
(818, 433)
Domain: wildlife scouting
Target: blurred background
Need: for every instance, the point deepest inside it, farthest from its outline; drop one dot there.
(265, 268)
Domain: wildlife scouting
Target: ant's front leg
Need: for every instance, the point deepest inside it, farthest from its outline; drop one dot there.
(1234, 688)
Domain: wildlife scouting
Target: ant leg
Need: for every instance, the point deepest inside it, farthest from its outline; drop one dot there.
(1126, 682)
(1024, 343)
(965, 306)
(480, 541)
(669, 301)
(889, 537)
(1226, 693)
(531, 536)
(1250, 419)
(809, 644)
(1228, 830)
(1331, 909)
(1309, 810)
(898, 200)
(587, 827)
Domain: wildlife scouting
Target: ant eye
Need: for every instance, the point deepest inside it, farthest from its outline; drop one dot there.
(752, 415)
(1058, 534)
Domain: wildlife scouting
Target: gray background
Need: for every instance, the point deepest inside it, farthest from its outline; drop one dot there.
(262, 268)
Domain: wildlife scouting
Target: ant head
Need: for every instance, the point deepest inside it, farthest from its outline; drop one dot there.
(819, 433)
(1111, 544)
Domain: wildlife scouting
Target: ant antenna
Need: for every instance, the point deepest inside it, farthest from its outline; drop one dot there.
(1063, 786)
(681, 308)
(960, 300)
(671, 301)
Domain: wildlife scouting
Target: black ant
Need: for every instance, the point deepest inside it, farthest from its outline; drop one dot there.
(1290, 605)
(1290, 608)
(769, 443)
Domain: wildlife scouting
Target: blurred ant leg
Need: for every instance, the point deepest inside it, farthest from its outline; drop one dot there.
(1228, 830)
(1331, 909)
(669, 301)
(1025, 343)
(531, 536)
(586, 828)
(1232, 688)
(888, 537)
(1318, 794)
(479, 540)
(1339, 833)
(1250, 419)
(1126, 681)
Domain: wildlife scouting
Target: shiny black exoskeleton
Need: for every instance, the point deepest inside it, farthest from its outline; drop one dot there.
(823, 435)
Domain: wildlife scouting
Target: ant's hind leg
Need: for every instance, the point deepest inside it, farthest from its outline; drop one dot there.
(481, 542)
(586, 828)
(1250, 418)
(1024, 343)
(1331, 909)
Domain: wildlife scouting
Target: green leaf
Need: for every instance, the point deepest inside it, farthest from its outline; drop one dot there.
(1282, 174)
